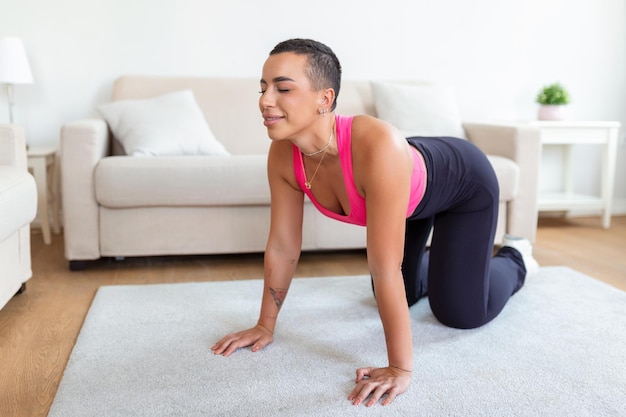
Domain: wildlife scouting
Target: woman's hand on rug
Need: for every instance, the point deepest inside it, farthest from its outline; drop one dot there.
(376, 382)
(258, 337)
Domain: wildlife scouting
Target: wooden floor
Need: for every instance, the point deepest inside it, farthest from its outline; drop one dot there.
(38, 328)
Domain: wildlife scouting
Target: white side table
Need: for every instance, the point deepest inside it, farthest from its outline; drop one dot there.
(42, 162)
(566, 134)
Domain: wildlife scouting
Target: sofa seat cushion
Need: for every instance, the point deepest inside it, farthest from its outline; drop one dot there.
(507, 173)
(18, 200)
(124, 182)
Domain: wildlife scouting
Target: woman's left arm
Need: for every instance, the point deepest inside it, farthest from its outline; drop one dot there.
(383, 166)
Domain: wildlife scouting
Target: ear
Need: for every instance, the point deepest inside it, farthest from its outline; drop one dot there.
(327, 98)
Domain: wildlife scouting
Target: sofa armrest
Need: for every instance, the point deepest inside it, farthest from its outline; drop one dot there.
(83, 144)
(12, 146)
(522, 144)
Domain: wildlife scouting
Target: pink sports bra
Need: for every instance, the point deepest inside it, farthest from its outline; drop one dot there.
(357, 213)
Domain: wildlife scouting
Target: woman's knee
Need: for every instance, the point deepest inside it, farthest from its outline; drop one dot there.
(460, 318)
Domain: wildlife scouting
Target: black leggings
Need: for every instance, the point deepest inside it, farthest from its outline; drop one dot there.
(466, 285)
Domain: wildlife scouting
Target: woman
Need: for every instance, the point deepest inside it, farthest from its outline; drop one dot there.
(361, 170)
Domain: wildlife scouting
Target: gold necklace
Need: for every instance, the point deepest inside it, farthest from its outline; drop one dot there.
(307, 183)
(323, 148)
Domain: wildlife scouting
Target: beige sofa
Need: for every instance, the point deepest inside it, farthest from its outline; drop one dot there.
(118, 206)
(18, 206)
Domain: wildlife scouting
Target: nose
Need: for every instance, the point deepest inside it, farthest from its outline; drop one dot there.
(266, 100)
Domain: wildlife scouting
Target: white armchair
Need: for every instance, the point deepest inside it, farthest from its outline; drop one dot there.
(18, 206)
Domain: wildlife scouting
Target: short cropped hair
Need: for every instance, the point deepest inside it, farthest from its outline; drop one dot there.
(324, 69)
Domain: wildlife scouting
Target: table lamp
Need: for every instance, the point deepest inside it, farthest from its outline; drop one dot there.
(14, 68)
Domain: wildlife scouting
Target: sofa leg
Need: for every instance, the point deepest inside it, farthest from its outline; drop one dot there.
(77, 265)
(22, 289)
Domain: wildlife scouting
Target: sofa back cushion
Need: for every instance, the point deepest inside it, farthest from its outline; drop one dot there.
(167, 125)
(231, 105)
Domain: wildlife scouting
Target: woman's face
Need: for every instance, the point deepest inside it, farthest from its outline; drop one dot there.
(288, 103)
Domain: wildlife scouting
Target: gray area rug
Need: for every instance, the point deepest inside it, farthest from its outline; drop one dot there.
(558, 349)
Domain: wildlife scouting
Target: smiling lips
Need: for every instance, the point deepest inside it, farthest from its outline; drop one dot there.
(270, 120)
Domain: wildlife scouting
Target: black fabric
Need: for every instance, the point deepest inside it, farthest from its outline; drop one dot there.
(466, 286)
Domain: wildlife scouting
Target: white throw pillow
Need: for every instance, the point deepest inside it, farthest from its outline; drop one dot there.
(419, 110)
(167, 125)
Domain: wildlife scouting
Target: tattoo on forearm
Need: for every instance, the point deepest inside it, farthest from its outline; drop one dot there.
(278, 294)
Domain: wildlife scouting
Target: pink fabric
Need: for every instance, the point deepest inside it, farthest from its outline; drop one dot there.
(357, 214)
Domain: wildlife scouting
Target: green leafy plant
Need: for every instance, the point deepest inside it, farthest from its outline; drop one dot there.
(553, 94)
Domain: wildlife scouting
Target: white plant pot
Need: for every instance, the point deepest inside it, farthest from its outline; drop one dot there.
(551, 112)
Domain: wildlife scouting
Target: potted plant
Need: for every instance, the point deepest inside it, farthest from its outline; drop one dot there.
(552, 98)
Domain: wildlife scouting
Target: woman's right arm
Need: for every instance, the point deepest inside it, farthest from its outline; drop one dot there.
(281, 253)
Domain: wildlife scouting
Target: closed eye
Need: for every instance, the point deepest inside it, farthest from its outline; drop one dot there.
(280, 90)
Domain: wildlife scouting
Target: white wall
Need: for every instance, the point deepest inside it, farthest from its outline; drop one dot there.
(497, 53)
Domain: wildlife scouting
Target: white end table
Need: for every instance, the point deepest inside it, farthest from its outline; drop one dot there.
(569, 133)
(42, 162)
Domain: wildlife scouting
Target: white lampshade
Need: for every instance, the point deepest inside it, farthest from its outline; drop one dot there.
(14, 68)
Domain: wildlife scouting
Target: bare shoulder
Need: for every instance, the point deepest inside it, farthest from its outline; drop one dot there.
(280, 163)
(378, 148)
(376, 135)
(365, 125)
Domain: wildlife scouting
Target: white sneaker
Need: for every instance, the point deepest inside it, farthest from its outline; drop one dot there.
(525, 248)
